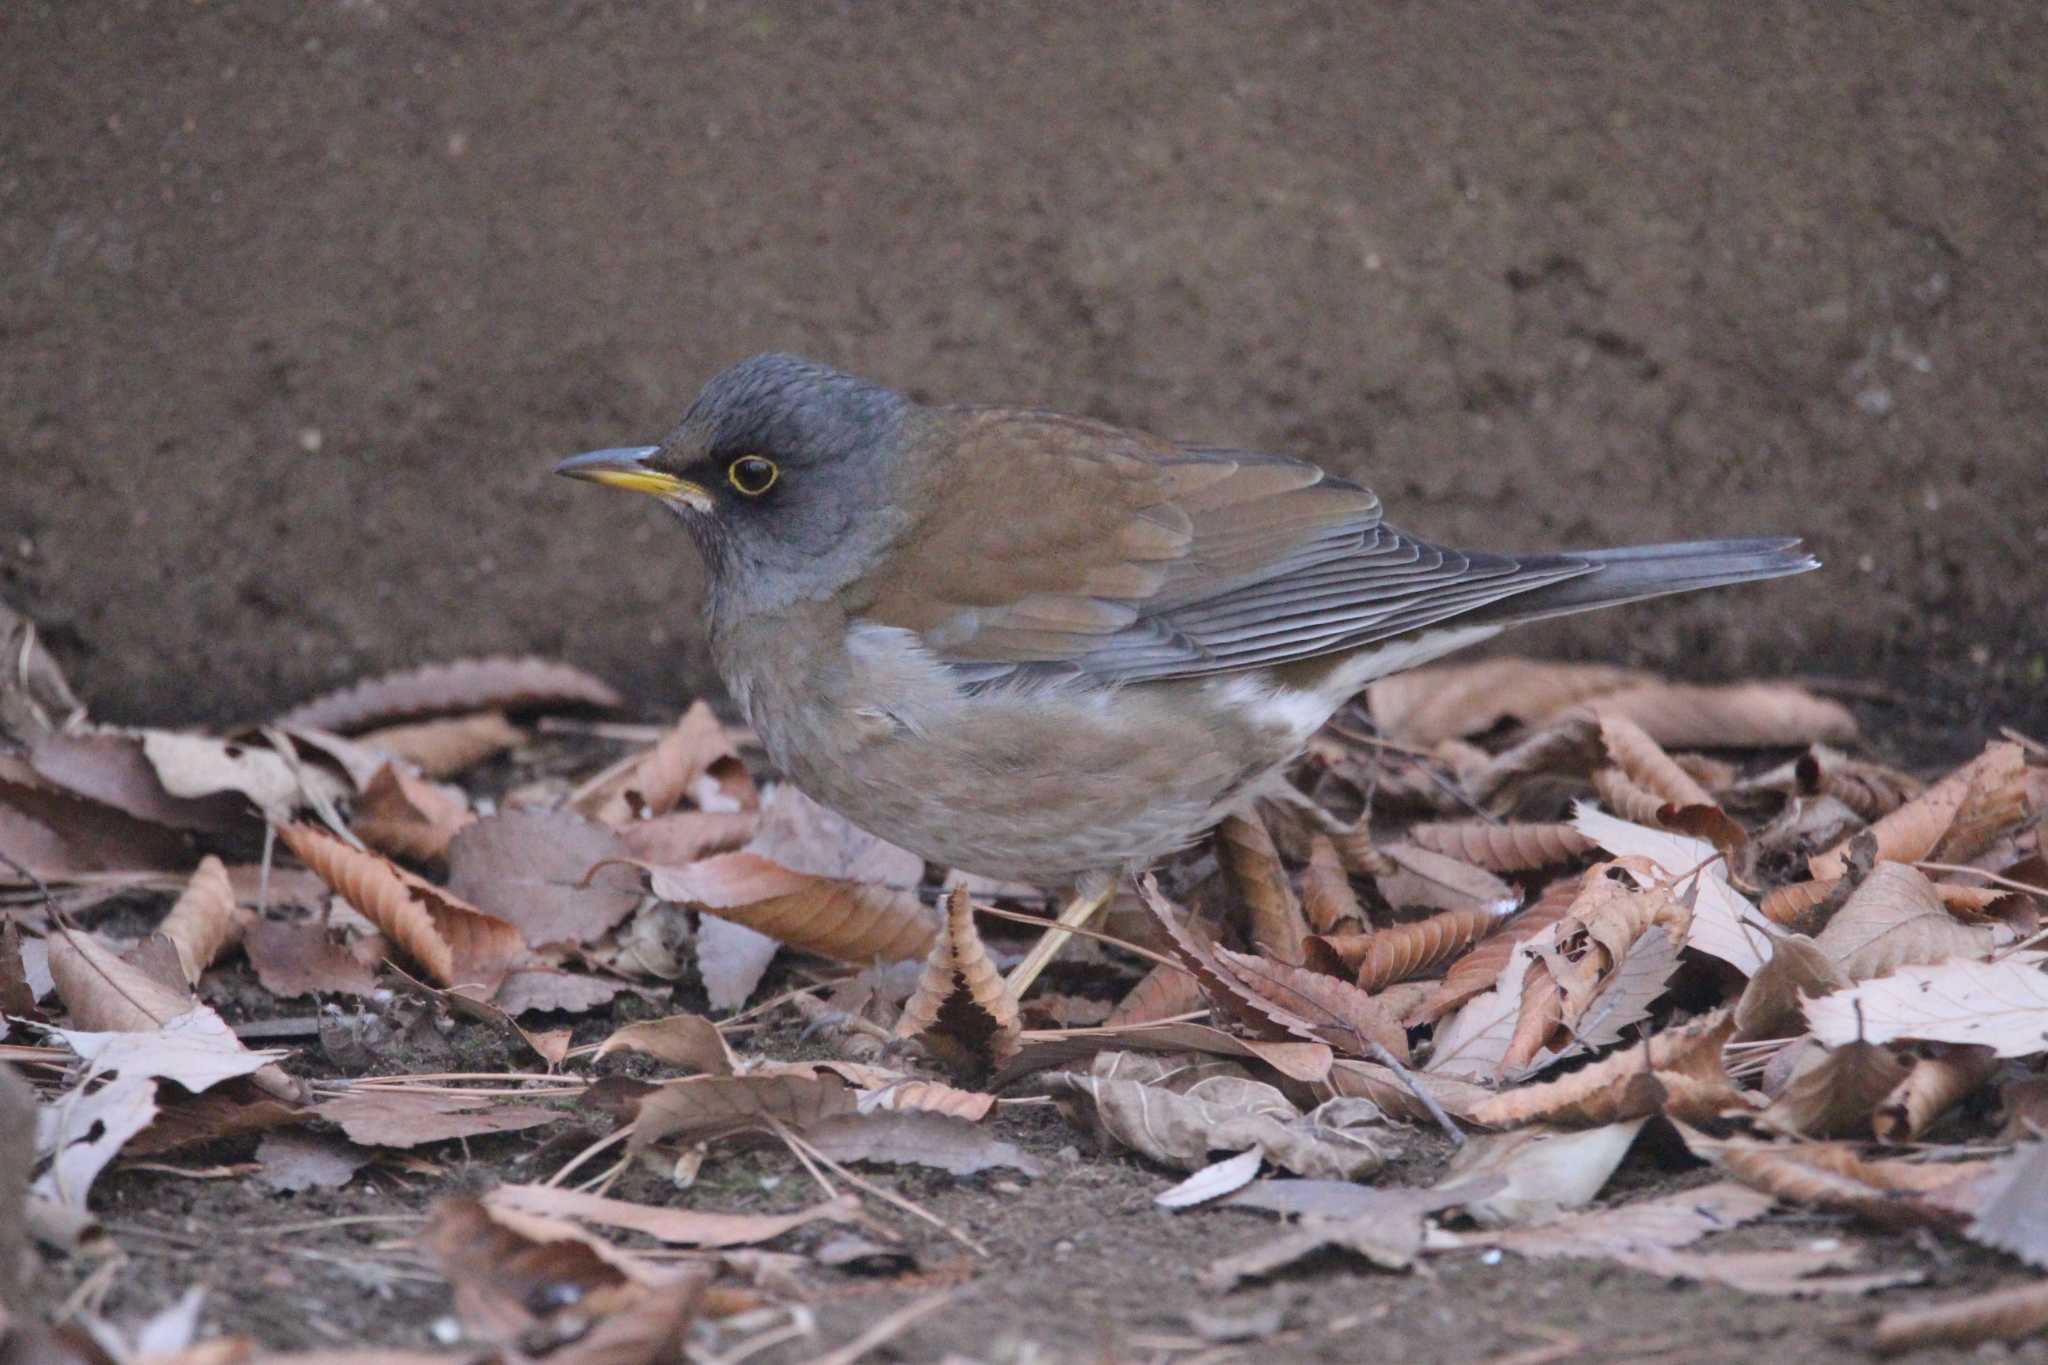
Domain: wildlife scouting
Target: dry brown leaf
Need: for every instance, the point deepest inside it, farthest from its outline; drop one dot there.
(104, 994)
(488, 684)
(661, 777)
(1771, 1004)
(230, 1110)
(453, 941)
(444, 748)
(2001, 1315)
(1420, 876)
(678, 1227)
(1592, 942)
(1646, 764)
(527, 990)
(1938, 1082)
(1343, 1016)
(1798, 901)
(1179, 1110)
(1425, 705)
(1954, 819)
(1871, 790)
(1830, 1175)
(684, 836)
(1662, 1223)
(1161, 993)
(845, 920)
(1685, 1062)
(917, 1137)
(1502, 847)
(1417, 948)
(1395, 1095)
(2012, 1205)
(934, 1097)
(109, 766)
(1626, 797)
(1730, 716)
(1245, 850)
(382, 1116)
(1895, 918)
(409, 817)
(1263, 1017)
(962, 1010)
(1474, 973)
(680, 1039)
(305, 959)
(1389, 1240)
(1560, 755)
(58, 836)
(1836, 1093)
(512, 1271)
(2000, 1005)
(1546, 1170)
(205, 920)
(1328, 901)
(700, 1108)
(555, 876)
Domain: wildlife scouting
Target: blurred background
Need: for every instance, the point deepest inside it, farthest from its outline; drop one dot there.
(298, 302)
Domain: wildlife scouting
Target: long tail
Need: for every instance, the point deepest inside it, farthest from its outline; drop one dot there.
(1637, 572)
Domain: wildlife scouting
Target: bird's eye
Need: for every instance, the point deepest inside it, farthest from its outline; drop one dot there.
(752, 475)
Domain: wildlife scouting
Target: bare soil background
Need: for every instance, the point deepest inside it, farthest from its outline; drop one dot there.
(297, 302)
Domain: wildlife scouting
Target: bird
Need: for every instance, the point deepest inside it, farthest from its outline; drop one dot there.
(1053, 650)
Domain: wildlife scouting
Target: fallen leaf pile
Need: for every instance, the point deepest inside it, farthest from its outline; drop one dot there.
(1532, 925)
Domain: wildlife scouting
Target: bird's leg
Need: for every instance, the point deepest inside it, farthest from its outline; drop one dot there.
(1090, 895)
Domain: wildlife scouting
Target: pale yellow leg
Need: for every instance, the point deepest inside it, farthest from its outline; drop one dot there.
(1082, 908)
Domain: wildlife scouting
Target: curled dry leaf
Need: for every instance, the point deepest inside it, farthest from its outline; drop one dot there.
(1732, 716)
(1502, 847)
(1395, 1094)
(1798, 902)
(849, 921)
(1180, 1110)
(555, 876)
(452, 941)
(1771, 1004)
(1566, 751)
(1425, 705)
(1626, 797)
(2001, 1315)
(1546, 1171)
(1724, 924)
(205, 920)
(1418, 948)
(1871, 790)
(1941, 1079)
(1952, 820)
(1345, 1017)
(1828, 1175)
(409, 817)
(1646, 764)
(1263, 1017)
(658, 780)
(449, 746)
(196, 767)
(1161, 993)
(934, 1097)
(1475, 973)
(58, 836)
(227, 1111)
(962, 1010)
(684, 836)
(1245, 849)
(680, 1039)
(108, 766)
(1835, 1093)
(1327, 899)
(701, 1108)
(1683, 1062)
(488, 684)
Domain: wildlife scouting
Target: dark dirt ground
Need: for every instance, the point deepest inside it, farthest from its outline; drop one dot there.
(298, 302)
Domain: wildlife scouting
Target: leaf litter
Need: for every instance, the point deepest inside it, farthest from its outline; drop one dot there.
(1812, 973)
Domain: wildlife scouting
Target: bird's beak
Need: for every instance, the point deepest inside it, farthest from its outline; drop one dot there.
(626, 467)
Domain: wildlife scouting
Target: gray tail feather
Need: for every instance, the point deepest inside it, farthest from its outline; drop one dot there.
(1637, 572)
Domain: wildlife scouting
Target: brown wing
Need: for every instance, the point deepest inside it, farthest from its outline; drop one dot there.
(1056, 544)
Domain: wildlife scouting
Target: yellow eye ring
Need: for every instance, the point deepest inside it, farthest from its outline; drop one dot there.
(752, 475)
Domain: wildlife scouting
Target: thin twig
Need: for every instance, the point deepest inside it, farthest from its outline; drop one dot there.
(1415, 1088)
(1111, 939)
(608, 1140)
(889, 1196)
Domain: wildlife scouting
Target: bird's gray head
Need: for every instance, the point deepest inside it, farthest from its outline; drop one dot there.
(779, 465)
